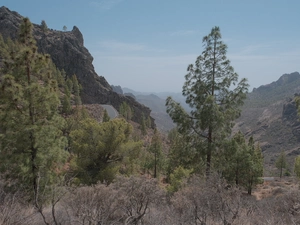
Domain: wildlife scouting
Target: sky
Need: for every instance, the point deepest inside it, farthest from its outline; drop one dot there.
(146, 45)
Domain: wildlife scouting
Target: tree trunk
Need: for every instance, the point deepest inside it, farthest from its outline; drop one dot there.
(208, 154)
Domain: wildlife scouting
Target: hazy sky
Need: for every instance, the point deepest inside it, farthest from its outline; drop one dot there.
(146, 45)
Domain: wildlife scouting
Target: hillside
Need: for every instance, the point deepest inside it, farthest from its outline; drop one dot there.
(270, 116)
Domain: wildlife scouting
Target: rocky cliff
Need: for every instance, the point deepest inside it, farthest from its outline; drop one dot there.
(68, 52)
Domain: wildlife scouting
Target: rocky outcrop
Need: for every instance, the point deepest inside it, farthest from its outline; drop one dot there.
(117, 89)
(68, 52)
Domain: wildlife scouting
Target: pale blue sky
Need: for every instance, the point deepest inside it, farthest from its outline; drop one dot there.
(146, 45)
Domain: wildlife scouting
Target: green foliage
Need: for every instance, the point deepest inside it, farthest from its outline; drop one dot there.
(76, 90)
(241, 163)
(148, 122)
(126, 111)
(182, 154)
(281, 162)
(101, 148)
(59, 76)
(44, 26)
(177, 179)
(106, 117)
(214, 94)
(69, 84)
(66, 105)
(156, 161)
(143, 126)
(32, 144)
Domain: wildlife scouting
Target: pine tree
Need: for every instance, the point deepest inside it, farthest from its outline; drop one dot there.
(44, 26)
(143, 125)
(241, 163)
(214, 94)
(76, 90)
(281, 162)
(126, 111)
(31, 140)
(155, 149)
(100, 149)
(256, 168)
(182, 154)
(106, 117)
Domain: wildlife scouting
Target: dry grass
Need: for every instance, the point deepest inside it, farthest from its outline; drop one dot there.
(275, 187)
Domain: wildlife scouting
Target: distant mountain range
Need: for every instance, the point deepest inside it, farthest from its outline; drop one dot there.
(156, 102)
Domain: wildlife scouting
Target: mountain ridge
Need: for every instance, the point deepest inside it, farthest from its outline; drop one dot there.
(68, 53)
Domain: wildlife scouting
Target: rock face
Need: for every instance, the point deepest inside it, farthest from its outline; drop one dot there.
(68, 52)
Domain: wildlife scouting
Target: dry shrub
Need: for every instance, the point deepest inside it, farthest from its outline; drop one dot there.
(208, 202)
(13, 210)
(91, 205)
(127, 201)
(136, 196)
(278, 210)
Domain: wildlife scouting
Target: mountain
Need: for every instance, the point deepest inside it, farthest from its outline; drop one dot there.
(68, 53)
(270, 116)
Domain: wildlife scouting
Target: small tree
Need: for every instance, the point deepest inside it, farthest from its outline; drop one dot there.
(155, 149)
(44, 26)
(281, 162)
(76, 90)
(242, 163)
(106, 117)
(100, 148)
(126, 111)
(143, 126)
(66, 103)
(65, 28)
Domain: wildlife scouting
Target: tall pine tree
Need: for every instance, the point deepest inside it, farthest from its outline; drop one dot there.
(214, 94)
(31, 140)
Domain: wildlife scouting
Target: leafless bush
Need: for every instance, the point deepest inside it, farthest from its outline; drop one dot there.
(208, 202)
(13, 210)
(127, 201)
(136, 197)
(277, 210)
(92, 205)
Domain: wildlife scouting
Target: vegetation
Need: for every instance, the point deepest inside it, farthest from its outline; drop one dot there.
(44, 26)
(100, 148)
(106, 117)
(281, 163)
(242, 163)
(214, 98)
(126, 111)
(157, 159)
